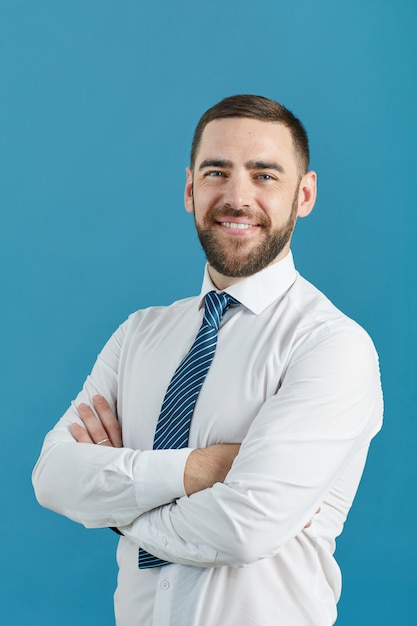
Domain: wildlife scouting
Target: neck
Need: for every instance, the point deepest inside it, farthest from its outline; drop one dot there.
(221, 282)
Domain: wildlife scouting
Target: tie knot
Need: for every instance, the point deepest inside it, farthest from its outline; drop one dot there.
(215, 305)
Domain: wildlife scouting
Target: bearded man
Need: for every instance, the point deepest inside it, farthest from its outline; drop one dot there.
(224, 436)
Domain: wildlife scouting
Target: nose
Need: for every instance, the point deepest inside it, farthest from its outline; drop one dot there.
(238, 193)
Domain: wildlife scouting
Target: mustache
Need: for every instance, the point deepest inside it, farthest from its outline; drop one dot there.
(220, 213)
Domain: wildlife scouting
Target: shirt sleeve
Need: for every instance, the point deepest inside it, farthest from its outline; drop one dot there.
(102, 486)
(303, 440)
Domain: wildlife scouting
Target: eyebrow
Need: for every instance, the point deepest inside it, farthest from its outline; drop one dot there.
(265, 165)
(215, 163)
(250, 165)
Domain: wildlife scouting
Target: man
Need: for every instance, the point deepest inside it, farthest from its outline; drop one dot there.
(244, 510)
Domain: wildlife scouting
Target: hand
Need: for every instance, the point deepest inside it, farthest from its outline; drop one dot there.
(207, 466)
(106, 429)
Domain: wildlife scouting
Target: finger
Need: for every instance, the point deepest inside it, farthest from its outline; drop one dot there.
(93, 425)
(109, 420)
(80, 434)
(311, 521)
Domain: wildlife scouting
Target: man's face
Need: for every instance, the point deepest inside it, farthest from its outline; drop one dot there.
(245, 193)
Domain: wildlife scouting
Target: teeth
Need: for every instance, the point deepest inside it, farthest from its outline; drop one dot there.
(237, 226)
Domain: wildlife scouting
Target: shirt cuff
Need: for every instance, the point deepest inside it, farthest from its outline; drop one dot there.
(159, 477)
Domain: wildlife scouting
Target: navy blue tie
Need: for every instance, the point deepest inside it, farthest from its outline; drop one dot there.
(174, 421)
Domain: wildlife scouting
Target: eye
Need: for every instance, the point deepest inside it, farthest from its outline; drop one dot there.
(265, 177)
(214, 174)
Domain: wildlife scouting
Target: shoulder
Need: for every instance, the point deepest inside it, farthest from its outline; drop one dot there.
(315, 308)
(316, 319)
(319, 320)
(333, 351)
(153, 317)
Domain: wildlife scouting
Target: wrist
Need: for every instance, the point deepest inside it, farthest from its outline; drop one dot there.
(193, 472)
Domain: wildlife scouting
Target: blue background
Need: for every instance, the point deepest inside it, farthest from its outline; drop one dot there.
(98, 104)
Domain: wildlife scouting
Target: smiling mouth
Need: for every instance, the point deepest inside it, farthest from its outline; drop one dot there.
(237, 225)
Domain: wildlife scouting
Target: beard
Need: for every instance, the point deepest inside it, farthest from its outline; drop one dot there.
(237, 257)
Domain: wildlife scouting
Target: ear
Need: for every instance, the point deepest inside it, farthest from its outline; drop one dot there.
(307, 193)
(188, 191)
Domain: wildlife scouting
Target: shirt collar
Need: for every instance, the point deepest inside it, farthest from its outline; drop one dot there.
(258, 291)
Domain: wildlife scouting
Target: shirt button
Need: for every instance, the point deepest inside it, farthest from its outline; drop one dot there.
(164, 541)
(165, 585)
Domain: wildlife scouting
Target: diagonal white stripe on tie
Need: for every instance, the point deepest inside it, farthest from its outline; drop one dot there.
(173, 427)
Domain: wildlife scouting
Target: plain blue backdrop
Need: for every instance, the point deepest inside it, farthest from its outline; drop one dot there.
(98, 103)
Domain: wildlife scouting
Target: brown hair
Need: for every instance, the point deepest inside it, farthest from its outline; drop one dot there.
(259, 108)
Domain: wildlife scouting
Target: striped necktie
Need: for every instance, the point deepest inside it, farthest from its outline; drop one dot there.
(174, 421)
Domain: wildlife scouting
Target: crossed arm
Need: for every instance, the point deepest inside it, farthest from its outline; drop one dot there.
(299, 445)
(204, 467)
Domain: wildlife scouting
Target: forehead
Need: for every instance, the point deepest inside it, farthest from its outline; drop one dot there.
(245, 139)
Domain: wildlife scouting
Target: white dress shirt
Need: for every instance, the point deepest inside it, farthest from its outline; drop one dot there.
(294, 380)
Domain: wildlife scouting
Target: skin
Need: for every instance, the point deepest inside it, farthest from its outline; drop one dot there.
(204, 467)
(245, 185)
(208, 466)
(246, 174)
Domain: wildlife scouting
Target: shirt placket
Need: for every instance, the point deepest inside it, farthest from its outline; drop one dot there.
(163, 596)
